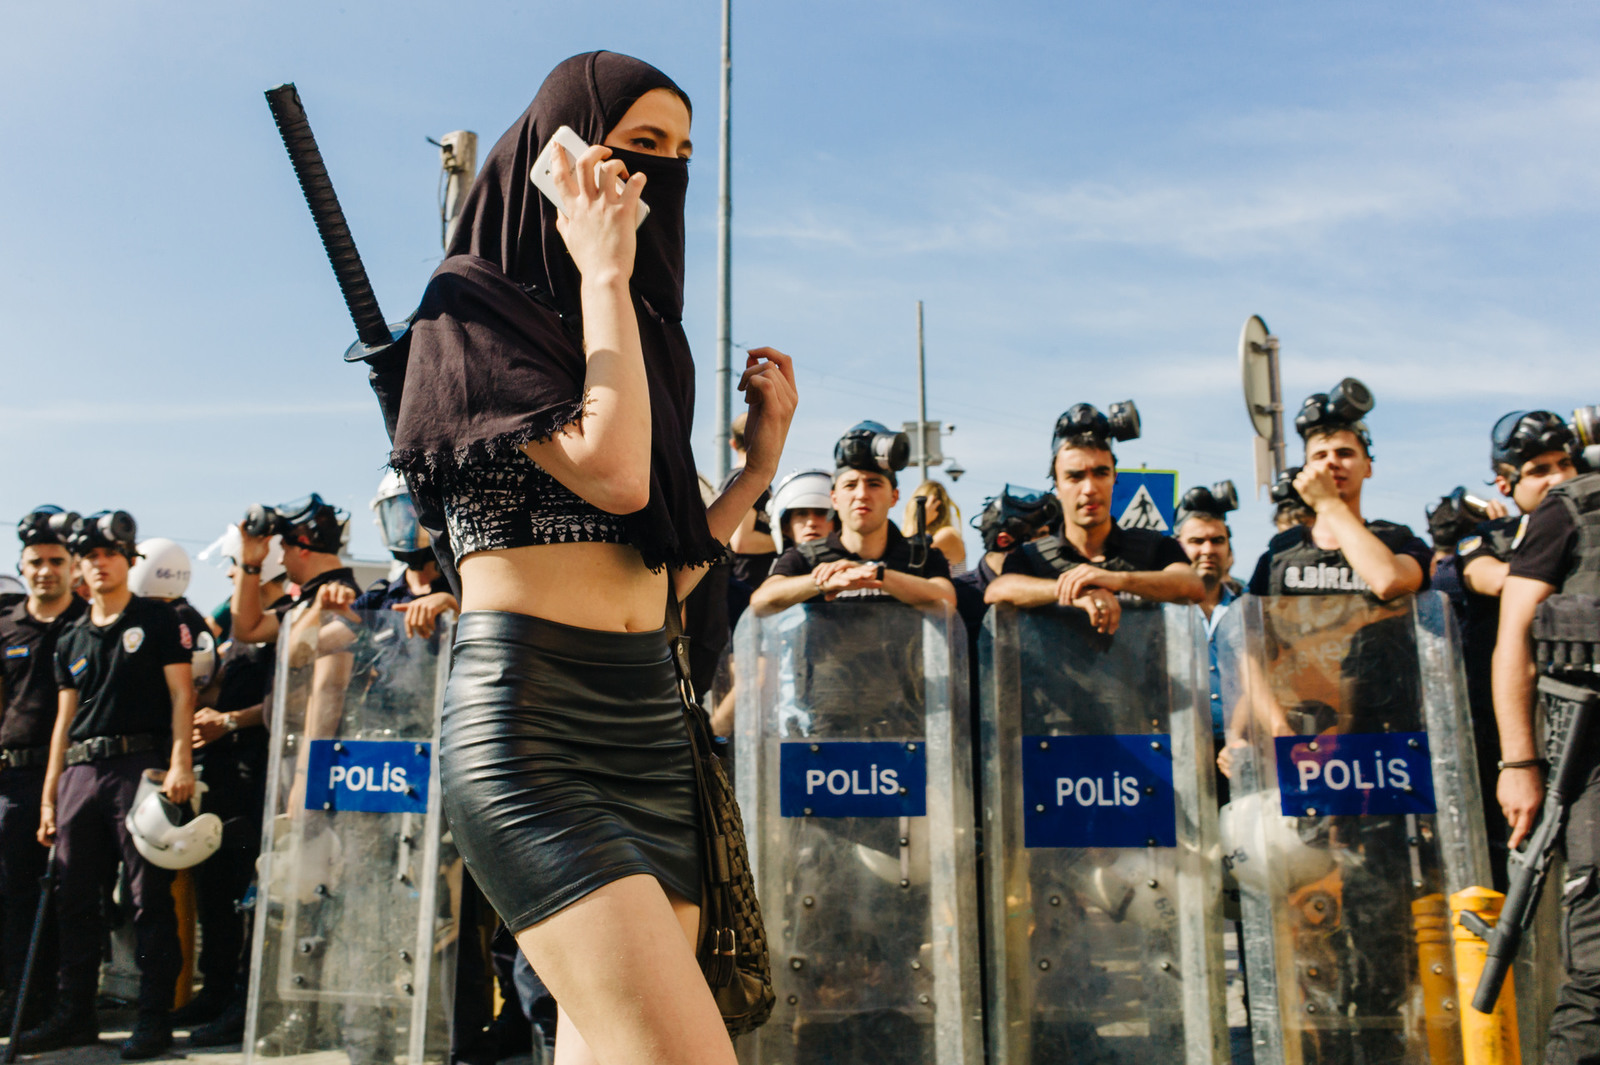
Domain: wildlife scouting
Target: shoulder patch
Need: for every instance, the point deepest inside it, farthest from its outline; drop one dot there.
(133, 639)
(19, 651)
(1522, 530)
(1469, 545)
(77, 668)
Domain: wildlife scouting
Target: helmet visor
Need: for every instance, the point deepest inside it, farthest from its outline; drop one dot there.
(397, 524)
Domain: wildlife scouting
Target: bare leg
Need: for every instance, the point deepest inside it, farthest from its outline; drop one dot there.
(620, 961)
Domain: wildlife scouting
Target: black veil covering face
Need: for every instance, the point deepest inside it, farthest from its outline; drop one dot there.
(496, 346)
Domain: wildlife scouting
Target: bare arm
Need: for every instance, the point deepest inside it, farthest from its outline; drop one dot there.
(179, 783)
(950, 544)
(1485, 575)
(250, 622)
(1177, 583)
(1021, 590)
(66, 710)
(1520, 791)
(777, 594)
(1388, 575)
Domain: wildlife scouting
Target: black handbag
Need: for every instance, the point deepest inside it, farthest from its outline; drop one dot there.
(732, 946)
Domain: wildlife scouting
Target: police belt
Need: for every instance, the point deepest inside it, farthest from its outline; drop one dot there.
(24, 757)
(98, 748)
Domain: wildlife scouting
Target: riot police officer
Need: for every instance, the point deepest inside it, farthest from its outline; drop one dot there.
(421, 592)
(868, 557)
(126, 709)
(1530, 453)
(29, 627)
(1092, 560)
(1559, 552)
(1339, 552)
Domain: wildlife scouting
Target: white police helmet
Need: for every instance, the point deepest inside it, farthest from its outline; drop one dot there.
(1256, 835)
(226, 548)
(162, 570)
(167, 834)
(203, 660)
(805, 490)
(396, 516)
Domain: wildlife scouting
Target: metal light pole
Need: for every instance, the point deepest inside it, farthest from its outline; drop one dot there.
(725, 252)
(458, 157)
(922, 397)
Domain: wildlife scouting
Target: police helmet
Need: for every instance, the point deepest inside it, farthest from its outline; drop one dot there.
(115, 529)
(162, 571)
(396, 517)
(168, 834)
(873, 447)
(227, 548)
(803, 490)
(1345, 407)
(45, 525)
(1019, 513)
(1526, 434)
(309, 522)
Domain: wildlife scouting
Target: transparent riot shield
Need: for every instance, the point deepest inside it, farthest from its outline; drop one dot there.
(1356, 814)
(1102, 878)
(854, 777)
(355, 919)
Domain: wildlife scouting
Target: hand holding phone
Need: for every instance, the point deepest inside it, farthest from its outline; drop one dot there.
(543, 177)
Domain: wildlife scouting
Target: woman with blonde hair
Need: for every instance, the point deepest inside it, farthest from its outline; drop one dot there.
(944, 523)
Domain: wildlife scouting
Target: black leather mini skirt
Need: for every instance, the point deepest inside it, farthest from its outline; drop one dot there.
(565, 763)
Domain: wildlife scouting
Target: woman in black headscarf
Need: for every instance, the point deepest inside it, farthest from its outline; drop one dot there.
(544, 423)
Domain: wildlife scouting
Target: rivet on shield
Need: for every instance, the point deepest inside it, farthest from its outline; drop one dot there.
(1155, 745)
(327, 806)
(924, 999)
(1406, 788)
(1149, 789)
(1166, 966)
(1311, 1007)
(1311, 811)
(916, 965)
(1044, 964)
(1413, 841)
(338, 746)
(1448, 1005)
(905, 883)
(1150, 883)
(905, 841)
(1312, 971)
(808, 901)
(305, 947)
(815, 747)
(1151, 842)
(1437, 968)
(1312, 746)
(911, 746)
(796, 963)
(1038, 808)
(405, 956)
(1412, 743)
(806, 811)
(1055, 900)
(903, 791)
(418, 748)
(406, 988)
(299, 981)
(793, 999)
(1044, 745)
(320, 889)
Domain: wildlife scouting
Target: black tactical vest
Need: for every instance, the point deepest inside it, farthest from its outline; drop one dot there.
(816, 552)
(1581, 497)
(1048, 557)
(1300, 567)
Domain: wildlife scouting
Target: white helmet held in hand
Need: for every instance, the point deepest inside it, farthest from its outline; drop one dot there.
(162, 571)
(806, 490)
(167, 834)
(226, 548)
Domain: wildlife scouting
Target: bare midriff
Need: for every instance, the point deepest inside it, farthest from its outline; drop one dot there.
(589, 586)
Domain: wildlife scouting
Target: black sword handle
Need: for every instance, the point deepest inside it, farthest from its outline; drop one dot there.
(290, 115)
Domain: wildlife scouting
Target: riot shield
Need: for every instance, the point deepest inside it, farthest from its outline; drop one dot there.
(354, 932)
(1102, 879)
(854, 777)
(1356, 814)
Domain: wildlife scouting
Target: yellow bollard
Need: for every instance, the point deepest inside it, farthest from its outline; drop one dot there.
(184, 902)
(1431, 919)
(1487, 1038)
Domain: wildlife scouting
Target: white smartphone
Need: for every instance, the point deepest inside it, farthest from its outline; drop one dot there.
(545, 181)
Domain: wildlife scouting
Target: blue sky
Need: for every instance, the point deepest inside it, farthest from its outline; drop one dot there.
(1090, 197)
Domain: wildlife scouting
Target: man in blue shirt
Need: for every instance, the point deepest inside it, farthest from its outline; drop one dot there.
(1206, 539)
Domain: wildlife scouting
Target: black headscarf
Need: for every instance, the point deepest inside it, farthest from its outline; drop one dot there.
(496, 346)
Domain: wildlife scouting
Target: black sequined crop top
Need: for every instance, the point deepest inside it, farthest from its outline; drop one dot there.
(513, 502)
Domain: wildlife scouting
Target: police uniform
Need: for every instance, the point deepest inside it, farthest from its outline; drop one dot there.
(27, 716)
(1561, 547)
(1294, 565)
(123, 726)
(1495, 539)
(1125, 551)
(898, 555)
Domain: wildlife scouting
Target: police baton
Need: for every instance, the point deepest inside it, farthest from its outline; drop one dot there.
(290, 115)
(46, 882)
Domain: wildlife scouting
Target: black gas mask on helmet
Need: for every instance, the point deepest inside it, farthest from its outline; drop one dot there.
(45, 525)
(1019, 514)
(1343, 408)
(115, 529)
(1454, 517)
(1527, 434)
(310, 523)
(1120, 422)
(1216, 501)
(873, 447)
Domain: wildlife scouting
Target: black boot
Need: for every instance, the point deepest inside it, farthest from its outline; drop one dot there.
(205, 1007)
(73, 1023)
(226, 1030)
(152, 1037)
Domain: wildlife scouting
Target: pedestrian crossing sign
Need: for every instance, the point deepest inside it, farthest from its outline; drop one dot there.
(1146, 499)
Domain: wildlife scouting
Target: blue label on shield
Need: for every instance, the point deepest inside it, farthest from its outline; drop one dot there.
(369, 776)
(853, 778)
(1355, 773)
(1098, 791)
